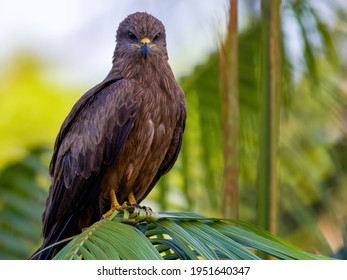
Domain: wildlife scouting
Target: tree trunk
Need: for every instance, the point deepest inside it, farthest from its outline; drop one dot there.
(230, 95)
(270, 109)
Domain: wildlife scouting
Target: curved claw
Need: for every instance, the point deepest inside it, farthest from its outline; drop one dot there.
(139, 213)
(133, 212)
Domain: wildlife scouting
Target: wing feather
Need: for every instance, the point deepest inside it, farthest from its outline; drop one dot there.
(90, 139)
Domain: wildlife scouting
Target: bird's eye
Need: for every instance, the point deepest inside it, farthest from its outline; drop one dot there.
(131, 35)
(156, 36)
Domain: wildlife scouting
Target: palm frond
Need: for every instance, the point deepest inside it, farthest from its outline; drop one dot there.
(181, 235)
(108, 239)
(21, 187)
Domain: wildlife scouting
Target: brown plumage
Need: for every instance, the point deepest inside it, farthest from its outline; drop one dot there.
(122, 135)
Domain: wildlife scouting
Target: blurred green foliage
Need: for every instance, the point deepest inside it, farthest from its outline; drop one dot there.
(23, 190)
(27, 117)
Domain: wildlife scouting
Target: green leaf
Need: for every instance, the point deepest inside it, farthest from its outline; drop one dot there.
(225, 247)
(109, 240)
(186, 242)
(272, 247)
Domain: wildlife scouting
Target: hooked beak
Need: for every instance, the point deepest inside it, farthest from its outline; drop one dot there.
(145, 46)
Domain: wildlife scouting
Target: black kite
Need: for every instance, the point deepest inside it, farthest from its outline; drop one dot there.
(120, 137)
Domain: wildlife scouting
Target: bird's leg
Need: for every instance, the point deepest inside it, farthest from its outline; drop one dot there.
(114, 205)
(131, 202)
(137, 212)
(131, 198)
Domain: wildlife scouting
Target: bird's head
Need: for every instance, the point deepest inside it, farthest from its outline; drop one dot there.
(141, 36)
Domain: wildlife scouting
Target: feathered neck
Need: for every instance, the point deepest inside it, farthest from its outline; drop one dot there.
(154, 69)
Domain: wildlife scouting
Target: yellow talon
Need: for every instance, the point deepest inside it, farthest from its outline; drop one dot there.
(114, 202)
(131, 198)
(133, 213)
(108, 214)
(114, 205)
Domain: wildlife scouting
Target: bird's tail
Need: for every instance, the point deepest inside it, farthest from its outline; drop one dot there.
(48, 249)
(71, 224)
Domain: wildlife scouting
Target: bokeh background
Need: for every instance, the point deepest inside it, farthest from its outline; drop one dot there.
(51, 52)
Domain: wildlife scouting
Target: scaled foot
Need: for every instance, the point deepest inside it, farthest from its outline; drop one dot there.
(133, 212)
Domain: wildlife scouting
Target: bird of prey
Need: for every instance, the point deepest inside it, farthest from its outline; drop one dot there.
(119, 138)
